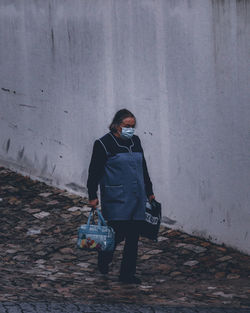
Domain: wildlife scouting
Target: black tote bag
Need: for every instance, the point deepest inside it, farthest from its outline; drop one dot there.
(151, 225)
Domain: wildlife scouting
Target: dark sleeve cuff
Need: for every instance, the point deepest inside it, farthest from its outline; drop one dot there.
(92, 196)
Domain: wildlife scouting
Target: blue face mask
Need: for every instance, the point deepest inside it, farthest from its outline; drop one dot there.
(127, 133)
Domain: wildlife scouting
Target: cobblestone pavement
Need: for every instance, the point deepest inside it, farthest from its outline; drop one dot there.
(41, 307)
(39, 261)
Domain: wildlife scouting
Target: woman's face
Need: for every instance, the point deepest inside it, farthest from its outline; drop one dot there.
(127, 122)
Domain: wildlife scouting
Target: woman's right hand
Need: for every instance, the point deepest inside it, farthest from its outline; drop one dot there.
(93, 203)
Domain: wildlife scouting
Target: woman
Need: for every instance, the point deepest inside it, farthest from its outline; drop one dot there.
(119, 166)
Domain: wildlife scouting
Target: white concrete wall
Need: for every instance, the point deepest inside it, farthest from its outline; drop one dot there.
(182, 66)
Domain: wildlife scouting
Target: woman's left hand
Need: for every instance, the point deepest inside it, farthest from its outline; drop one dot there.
(151, 197)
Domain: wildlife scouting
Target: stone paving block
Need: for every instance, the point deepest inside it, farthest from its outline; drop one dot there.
(8, 303)
(2, 308)
(86, 309)
(42, 307)
(72, 308)
(102, 307)
(57, 307)
(13, 309)
(27, 307)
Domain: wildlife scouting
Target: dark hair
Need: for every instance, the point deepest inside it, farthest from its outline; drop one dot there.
(119, 117)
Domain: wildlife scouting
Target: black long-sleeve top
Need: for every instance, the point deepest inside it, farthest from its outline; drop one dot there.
(99, 158)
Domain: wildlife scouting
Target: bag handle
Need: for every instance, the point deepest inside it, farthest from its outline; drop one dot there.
(90, 217)
(101, 220)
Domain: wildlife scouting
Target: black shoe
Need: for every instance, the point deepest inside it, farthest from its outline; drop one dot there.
(130, 280)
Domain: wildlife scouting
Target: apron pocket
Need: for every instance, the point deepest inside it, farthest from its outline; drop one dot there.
(114, 193)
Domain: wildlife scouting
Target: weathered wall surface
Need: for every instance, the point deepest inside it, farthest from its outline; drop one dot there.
(182, 66)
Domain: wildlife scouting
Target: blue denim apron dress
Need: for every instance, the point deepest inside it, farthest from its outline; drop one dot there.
(122, 187)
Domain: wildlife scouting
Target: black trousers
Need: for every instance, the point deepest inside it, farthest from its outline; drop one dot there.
(130, 231)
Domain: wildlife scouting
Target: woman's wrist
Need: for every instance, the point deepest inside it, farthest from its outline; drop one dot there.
(93, 203)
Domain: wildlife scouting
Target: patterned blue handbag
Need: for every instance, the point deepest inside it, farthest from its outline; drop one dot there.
(96, 237)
